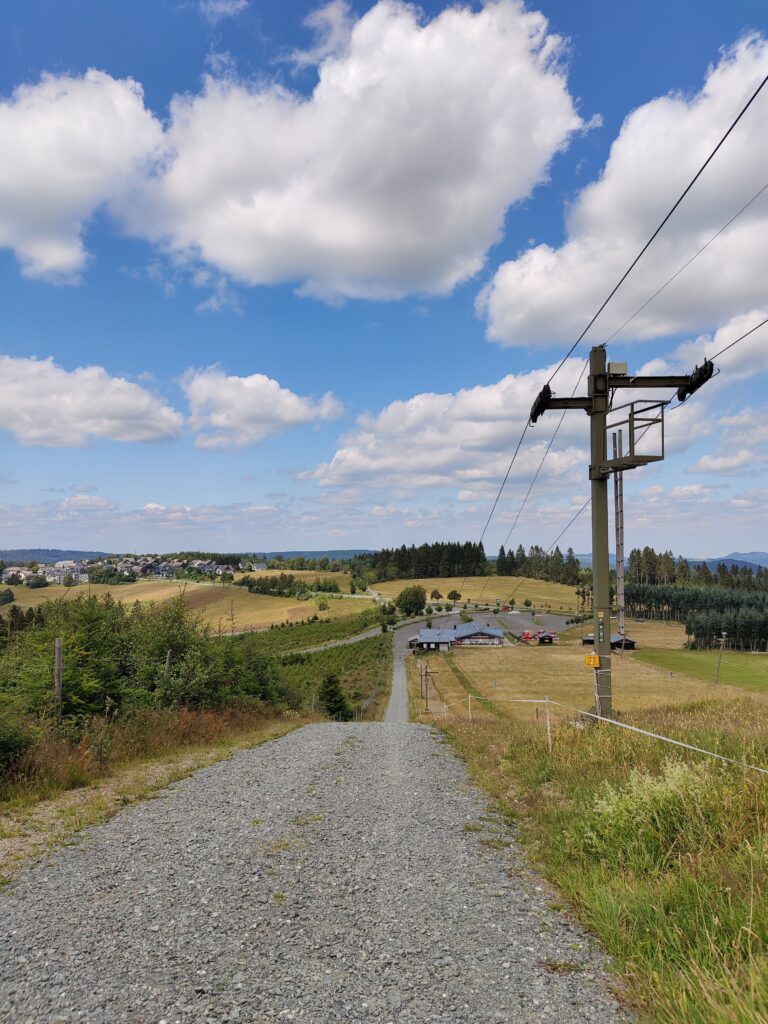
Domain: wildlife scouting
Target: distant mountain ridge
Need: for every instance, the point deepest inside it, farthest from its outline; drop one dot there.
(12, 555)
(742, 559)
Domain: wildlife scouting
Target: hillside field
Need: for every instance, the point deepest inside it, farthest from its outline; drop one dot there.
(215, 602)
(544, 595)
(662, 675)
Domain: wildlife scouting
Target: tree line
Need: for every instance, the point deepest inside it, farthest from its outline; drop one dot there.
(287, 585)
(647, 566)
(448, 560)
(540, 564)
(707, 611)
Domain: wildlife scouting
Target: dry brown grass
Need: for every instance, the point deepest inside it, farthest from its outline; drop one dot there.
(30, 827)
(559, 672)
(544, 595)
(214, 601)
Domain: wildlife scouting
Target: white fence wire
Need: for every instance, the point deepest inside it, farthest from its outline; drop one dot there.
(598, 718)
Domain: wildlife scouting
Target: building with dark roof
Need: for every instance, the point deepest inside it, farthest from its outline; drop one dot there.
(469, 634)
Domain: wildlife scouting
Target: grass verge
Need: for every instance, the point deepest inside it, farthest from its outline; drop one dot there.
(749, 671)
(33, 820)
(663, 855)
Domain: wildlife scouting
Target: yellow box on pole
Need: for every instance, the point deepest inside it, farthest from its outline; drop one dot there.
(592, 660)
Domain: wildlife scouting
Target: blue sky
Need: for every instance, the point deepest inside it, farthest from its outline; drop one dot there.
(287, 276)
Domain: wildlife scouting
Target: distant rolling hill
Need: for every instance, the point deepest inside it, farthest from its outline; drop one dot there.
(750, 559)
(13, 555)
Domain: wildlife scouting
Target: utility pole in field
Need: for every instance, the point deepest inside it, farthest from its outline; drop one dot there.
(618, 497)
(639, 416)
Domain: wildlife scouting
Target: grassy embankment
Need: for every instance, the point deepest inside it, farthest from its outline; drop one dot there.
(220, 605)
(283, 639)
(68, 787)
(747, 671)
(663, 853)
(542, 594)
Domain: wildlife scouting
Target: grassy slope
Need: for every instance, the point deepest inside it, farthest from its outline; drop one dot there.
(364, 668)
(556, 595)
(664, 854)
(748, 671)
(285, 639)
(214, 601)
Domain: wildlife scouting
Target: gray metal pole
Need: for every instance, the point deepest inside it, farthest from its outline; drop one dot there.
(720, 656)
(601, 579)
(618, 494)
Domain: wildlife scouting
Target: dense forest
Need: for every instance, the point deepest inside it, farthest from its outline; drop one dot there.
(649, 567)
(430, 561)
(706, 611)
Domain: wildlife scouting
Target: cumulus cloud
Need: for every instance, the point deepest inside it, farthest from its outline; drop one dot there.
(392, 177)
(80, 503)
(332, 26)
(740, 461)
(215, 10)
(43, 404)
(234, 411)
(71, 144)
(548, 294)
(461, 440)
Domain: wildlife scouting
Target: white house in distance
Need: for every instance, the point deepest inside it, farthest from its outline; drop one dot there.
(465, 634)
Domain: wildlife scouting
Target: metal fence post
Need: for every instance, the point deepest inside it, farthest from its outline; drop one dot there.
(549, 727)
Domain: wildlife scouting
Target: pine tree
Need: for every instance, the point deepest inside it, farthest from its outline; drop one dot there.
(333, 699)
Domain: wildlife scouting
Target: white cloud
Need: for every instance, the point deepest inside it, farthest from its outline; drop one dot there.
(332, 26)
(463, 440)
(70, 145)
(215, 10)
(235, 411)
(740, 461)
(549, 294)
(80, 503)
(392, 177)
(43, 404)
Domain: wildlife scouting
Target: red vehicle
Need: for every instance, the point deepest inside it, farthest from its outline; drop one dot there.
(526, 635)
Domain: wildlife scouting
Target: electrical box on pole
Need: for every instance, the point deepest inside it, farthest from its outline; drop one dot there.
(639, 416)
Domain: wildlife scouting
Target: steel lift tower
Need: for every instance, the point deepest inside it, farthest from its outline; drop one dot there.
(638, 416)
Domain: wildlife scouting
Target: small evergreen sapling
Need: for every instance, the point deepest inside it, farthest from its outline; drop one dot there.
(333, 699)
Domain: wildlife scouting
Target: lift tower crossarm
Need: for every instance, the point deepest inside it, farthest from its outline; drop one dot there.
(604, 378)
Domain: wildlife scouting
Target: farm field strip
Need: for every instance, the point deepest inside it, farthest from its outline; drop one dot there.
(544, 596)
(215, 602)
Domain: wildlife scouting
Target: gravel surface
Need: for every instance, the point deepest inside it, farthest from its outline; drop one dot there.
(342, 873)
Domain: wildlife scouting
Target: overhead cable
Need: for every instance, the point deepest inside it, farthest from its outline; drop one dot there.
(647, 245)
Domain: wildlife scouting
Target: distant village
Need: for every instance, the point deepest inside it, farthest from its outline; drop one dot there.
(122, 570)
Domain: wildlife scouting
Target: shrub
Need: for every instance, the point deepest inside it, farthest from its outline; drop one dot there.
(36, 582)
(15, 737)
(527, 602)
(7, 596)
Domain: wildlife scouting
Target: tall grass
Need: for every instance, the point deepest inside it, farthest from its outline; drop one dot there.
(62, 759)
(664, 854)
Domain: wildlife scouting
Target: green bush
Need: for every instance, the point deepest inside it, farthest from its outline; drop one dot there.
(15, 737)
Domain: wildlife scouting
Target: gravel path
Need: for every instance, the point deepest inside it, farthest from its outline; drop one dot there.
(327, 876)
